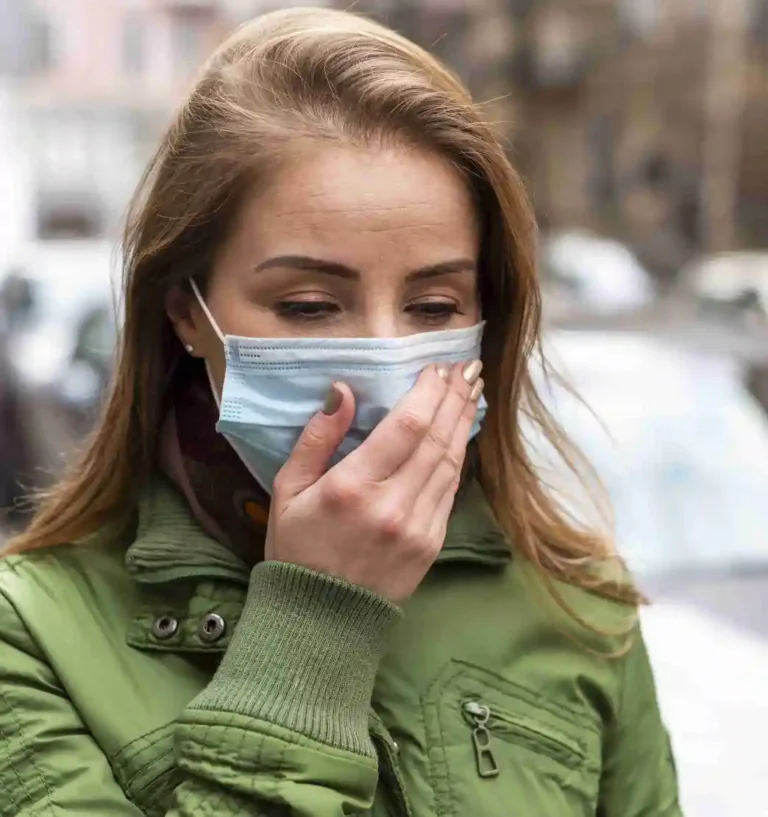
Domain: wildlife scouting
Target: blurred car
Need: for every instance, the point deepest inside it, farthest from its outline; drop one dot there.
(61, 344)
(733, 285)
(730, 292)
(79, 389)
(584, 272)
(683, 450)
(15, 439)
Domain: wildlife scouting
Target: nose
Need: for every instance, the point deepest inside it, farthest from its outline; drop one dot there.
(384, 329)
(382, 320)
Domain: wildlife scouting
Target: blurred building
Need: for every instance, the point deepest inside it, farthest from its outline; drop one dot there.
(100, 81)
(641, 119)
(16, 212)
(645, 134)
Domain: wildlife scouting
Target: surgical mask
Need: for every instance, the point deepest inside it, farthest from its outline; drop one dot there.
(273, 386)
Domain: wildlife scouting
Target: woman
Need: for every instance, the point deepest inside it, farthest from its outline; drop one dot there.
(275, 584)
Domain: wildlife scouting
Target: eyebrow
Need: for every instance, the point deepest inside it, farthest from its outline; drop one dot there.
(303, 262)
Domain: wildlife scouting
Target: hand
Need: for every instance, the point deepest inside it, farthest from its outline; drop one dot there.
(378, 518)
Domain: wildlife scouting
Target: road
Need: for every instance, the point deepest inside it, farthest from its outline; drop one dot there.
(737, 596)
(679, 323)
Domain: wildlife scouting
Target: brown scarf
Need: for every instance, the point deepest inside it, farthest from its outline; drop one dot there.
(226, 500)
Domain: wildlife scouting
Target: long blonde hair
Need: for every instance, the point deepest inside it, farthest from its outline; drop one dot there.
(282, 81)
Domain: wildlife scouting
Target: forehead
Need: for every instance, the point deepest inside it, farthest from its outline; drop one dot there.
(364, 201)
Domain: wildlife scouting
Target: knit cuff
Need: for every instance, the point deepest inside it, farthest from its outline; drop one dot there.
(304, 655)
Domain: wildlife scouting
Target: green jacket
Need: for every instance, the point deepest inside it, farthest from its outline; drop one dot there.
(156, 677)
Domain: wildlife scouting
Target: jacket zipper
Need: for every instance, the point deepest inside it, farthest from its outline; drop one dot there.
(486, 721)
(485, 760)
(390, 773)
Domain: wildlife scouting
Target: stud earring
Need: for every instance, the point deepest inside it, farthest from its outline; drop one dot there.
(189, 348)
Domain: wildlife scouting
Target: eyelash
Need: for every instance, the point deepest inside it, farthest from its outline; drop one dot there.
(306, 311)
(433, 312)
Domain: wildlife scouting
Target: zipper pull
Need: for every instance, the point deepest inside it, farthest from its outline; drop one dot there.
(479, 716)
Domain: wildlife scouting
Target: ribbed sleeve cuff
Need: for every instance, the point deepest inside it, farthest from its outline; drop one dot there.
(304, 655)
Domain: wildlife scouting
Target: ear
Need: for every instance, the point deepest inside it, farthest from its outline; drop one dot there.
(185, 319)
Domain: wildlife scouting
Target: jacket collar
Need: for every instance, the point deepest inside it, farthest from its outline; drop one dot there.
(171, 546)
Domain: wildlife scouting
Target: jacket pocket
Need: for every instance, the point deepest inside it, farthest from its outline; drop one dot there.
(496, 748)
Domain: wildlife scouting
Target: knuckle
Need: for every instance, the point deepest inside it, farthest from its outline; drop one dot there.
(435, 545)
(391, 523)
(453, 460)
(422, 547)
(439, 438)
(341, 493)
(412, 423)
(445, 474)
(280, 484)
(312, 438)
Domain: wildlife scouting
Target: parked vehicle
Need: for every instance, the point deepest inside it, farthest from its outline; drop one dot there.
(61, 343)
(583, 272)
(732, 285)
(79, 389)
(15, 441)
(683, 449)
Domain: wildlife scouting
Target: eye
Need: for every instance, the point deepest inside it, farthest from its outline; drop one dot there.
(306, 310)
(433, 312)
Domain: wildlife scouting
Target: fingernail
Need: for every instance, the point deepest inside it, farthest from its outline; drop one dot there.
(472, 371)
(333, 400)
(443, 371)
(477, 390)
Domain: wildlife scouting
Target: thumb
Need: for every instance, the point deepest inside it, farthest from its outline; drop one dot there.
(321, 437)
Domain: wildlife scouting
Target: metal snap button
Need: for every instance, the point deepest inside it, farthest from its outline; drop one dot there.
(164, 627)
(212, 628)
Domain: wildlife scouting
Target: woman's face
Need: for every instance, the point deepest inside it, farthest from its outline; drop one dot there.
(348, 242)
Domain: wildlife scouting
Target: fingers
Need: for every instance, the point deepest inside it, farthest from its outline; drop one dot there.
(437, 526)
(444, 478)
(437, 450)
(321, 437)
(399, 434)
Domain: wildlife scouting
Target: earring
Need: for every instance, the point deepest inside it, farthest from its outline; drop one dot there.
(189, 348)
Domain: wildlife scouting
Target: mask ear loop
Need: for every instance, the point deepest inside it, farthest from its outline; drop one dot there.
(214, 390)
(215, 327)
(215, 393)
(204, 307)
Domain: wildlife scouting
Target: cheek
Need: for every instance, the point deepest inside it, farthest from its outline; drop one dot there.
(217, 368)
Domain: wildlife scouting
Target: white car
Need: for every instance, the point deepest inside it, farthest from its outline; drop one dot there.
(683, 450)
(733, 284)
(73, 289)
(68, 279)
(587, 272)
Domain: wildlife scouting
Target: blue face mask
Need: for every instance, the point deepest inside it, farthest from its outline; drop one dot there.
(273, 386)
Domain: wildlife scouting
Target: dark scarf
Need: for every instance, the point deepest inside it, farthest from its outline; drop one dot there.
(226, 500)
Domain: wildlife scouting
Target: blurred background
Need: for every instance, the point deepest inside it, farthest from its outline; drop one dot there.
(641, 128)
